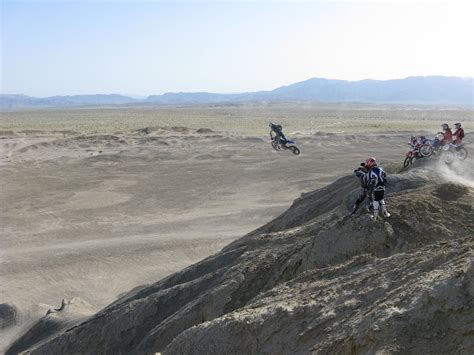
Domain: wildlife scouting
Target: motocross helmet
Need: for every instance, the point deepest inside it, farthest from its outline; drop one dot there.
(445, 126)
(457, 125)
(370, 163)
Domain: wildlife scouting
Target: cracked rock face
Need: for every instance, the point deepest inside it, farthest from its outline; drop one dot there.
(314, 280)
(416, 302)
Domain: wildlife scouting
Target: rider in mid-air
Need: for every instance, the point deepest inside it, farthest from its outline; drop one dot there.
(276, 133)
(458, 134)
(377, 181)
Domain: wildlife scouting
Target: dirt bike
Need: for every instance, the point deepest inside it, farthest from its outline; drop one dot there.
(451, 152)
(430, 147)
(410, 157)
(288, 145)
(420, 148)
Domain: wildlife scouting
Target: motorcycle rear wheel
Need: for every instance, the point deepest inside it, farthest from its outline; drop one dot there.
(448, 156)
(461, 153)
(407, 162)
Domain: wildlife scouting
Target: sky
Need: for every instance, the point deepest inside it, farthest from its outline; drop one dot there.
(151, 47)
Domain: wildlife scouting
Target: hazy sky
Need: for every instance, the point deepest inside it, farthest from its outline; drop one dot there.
(151, 47)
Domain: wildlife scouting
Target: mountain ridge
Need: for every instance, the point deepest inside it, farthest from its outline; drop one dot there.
(424, 90)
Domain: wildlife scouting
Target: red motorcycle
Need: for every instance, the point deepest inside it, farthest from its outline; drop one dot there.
(414, 153)
(410, 157)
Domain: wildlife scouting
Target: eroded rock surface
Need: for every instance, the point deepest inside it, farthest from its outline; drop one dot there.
(314, 280)
(69, 313)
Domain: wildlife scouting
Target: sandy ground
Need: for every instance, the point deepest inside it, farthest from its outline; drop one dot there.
(93, 216)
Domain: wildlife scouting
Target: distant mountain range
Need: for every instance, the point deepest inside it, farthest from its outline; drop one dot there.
(429, 90)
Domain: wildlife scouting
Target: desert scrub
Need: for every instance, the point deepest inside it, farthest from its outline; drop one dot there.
(242, 120)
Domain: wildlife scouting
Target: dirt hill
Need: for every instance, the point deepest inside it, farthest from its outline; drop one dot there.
(314, 280)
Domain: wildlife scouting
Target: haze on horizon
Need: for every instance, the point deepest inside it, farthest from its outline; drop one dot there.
(145, 47)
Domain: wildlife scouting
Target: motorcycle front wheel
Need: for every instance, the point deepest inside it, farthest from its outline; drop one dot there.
(407, 162)
(426, 150)
(294, 150)
(461, 153)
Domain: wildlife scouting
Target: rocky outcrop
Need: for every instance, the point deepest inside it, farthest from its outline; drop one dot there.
(9, 315)
(313, 280)
(417, 303)
(56, 320)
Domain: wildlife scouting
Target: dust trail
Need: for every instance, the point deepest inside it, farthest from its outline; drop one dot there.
(459, 172)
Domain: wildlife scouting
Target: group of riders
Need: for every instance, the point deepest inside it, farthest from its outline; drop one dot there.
(373, 180)
(449, 136)
(446, 137)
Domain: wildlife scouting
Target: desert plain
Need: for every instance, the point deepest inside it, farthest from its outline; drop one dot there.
(97, 201)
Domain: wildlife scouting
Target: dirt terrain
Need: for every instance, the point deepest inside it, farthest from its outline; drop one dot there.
(89, 216)
(311, 281)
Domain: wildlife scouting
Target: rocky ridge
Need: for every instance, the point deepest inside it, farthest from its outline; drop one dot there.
(313, 280)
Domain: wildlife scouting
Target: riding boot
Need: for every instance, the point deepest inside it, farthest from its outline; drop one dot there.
(374, 215)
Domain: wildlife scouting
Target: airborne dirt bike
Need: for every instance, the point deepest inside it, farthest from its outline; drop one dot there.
(451, 152)
(288, 145)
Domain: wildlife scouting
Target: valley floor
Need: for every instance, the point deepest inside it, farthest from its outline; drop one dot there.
(95, 215)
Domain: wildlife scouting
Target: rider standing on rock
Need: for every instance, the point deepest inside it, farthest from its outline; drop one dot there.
(276, 133)
(458, 134)
(377, 181)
